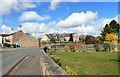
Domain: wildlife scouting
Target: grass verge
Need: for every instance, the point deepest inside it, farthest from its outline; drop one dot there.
(90, 63)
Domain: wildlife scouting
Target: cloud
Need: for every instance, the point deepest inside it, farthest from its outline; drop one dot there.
(8, 5)
(35, 29)
(26, 5)
(77, 19)
(32, 15)
(67, 8)
(54, 3)
(88, 27)
(6, 30)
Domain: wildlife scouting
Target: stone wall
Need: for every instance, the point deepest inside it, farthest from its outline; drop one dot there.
(49, 67)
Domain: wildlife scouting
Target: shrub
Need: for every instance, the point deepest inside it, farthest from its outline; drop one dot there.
(92, 40)
(69, 71)
(108, 46)
(98, 47)
(56, 59)
(6, 45)
(72, 47)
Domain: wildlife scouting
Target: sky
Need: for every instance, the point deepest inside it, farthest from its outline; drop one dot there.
(57, 16)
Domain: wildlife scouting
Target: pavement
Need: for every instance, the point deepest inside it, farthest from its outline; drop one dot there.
(30, 65)
(12, 56)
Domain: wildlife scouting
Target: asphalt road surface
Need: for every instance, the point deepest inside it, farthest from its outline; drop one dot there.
(11, 56)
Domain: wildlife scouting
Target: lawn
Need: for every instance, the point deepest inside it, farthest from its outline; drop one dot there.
(90, 63)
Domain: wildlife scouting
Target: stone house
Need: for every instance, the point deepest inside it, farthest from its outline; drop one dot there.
(20, 38)
(28, 41)
(75, 37)
(60, 37)
(46, 38)
(17, 35)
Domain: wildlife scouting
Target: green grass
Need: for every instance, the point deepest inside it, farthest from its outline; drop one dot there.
(90, 63)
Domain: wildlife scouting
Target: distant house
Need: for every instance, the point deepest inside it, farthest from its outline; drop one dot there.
(66, 36)
(46, 38)
(5, 38)
(75, 37)
(59, 37)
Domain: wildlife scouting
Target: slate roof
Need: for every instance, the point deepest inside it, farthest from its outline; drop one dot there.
(49, 36)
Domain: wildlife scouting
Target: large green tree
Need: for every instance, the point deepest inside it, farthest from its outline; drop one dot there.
(106, 30)
(71, 38)
(115, 26)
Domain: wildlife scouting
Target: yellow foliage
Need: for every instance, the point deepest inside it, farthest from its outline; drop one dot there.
(69, 71)
(112, 37)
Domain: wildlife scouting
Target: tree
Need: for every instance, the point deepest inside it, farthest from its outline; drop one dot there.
(106, 30)
(52, 40)
(71, 38)
(87, 37)
(100, 39)
(113, 24)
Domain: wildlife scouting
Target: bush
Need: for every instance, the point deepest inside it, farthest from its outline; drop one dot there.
(72, 47)
(6, 45)
(55, 59)
(98, 47)
(108, 46)
(91, 40)
(70, 71)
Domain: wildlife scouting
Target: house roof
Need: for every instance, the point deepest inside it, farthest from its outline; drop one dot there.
(66, 35)
(19, 31)
(49, 36)
(4, 35)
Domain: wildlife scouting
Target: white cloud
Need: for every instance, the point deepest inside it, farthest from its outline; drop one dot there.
(89, 26)
(50, 24)
(67, 8)
(35, 29)
(77, 19)
(92, 28)
(26, 5)
(32, 15)
(54, 3)
(6, 6)
(6, 30)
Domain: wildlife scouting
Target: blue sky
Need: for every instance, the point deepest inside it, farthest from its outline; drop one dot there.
(56, 14)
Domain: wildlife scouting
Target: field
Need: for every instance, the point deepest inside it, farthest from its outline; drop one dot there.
(90, 63)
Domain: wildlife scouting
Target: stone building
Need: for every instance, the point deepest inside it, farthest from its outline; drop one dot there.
(60, 37)
(17, 35)
(20, 38)
(28, 41)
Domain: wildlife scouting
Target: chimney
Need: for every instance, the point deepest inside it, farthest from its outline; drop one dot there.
(20, 28)
(12, 31)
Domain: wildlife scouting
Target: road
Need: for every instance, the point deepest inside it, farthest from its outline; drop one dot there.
(11, 56)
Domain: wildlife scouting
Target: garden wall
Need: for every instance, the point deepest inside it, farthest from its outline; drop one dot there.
(49, 67)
